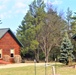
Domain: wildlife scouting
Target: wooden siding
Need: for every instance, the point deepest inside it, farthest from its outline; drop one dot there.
(7, 42)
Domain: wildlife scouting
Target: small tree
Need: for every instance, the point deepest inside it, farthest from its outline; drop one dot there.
(66, 55)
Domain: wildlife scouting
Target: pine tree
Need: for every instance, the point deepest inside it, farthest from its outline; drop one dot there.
(30, 27)
(66, 55)
(68, 17)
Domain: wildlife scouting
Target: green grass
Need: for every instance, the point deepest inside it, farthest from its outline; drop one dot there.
(29, 70)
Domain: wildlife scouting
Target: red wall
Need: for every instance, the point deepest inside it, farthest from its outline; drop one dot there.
(7, 42)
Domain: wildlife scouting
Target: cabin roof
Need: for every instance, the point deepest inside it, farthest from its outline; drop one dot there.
(3, 31)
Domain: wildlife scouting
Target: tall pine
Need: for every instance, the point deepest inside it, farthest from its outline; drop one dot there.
(68, 18)
(30, 27)
(66, 55)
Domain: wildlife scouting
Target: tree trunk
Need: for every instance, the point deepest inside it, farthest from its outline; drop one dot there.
(70, 61)
(37, 55)
(47, 56)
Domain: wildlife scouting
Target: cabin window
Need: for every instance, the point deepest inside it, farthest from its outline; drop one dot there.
(0, 53)
(12, 52)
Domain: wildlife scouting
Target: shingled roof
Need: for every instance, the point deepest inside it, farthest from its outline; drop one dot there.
(3, 31)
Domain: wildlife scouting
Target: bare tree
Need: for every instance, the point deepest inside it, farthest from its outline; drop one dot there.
(50, 34)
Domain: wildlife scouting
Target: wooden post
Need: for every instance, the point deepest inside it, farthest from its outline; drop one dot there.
(53, 70)
(35, 65)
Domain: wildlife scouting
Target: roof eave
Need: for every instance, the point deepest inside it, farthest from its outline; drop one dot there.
(17, 39)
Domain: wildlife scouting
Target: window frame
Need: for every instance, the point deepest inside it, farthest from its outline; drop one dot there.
(12, 52)
(1, 53)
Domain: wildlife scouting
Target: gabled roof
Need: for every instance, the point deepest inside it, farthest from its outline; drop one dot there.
(3, 31)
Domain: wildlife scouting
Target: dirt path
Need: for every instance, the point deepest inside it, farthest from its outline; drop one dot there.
(26, 64)
(20, 65)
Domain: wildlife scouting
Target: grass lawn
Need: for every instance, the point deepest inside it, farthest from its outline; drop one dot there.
(40, 70)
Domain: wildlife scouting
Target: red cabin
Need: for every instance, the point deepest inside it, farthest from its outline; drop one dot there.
(9, 45)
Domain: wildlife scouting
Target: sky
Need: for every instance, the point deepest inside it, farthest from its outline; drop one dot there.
(13, 11)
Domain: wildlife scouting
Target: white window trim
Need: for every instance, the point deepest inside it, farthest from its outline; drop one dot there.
(12, 51)
(1, 53)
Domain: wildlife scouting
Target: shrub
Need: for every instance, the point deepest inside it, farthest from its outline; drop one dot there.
(17, 59)
(6, 58)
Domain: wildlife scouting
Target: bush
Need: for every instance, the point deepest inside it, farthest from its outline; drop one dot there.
(6, 58)
(17, 59)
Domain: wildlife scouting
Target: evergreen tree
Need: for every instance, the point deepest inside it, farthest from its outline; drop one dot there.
(66, 55)
(68, 18)
(31, 26)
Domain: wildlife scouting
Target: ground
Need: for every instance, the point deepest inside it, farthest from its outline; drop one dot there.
(27, 68)
(24, 64)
